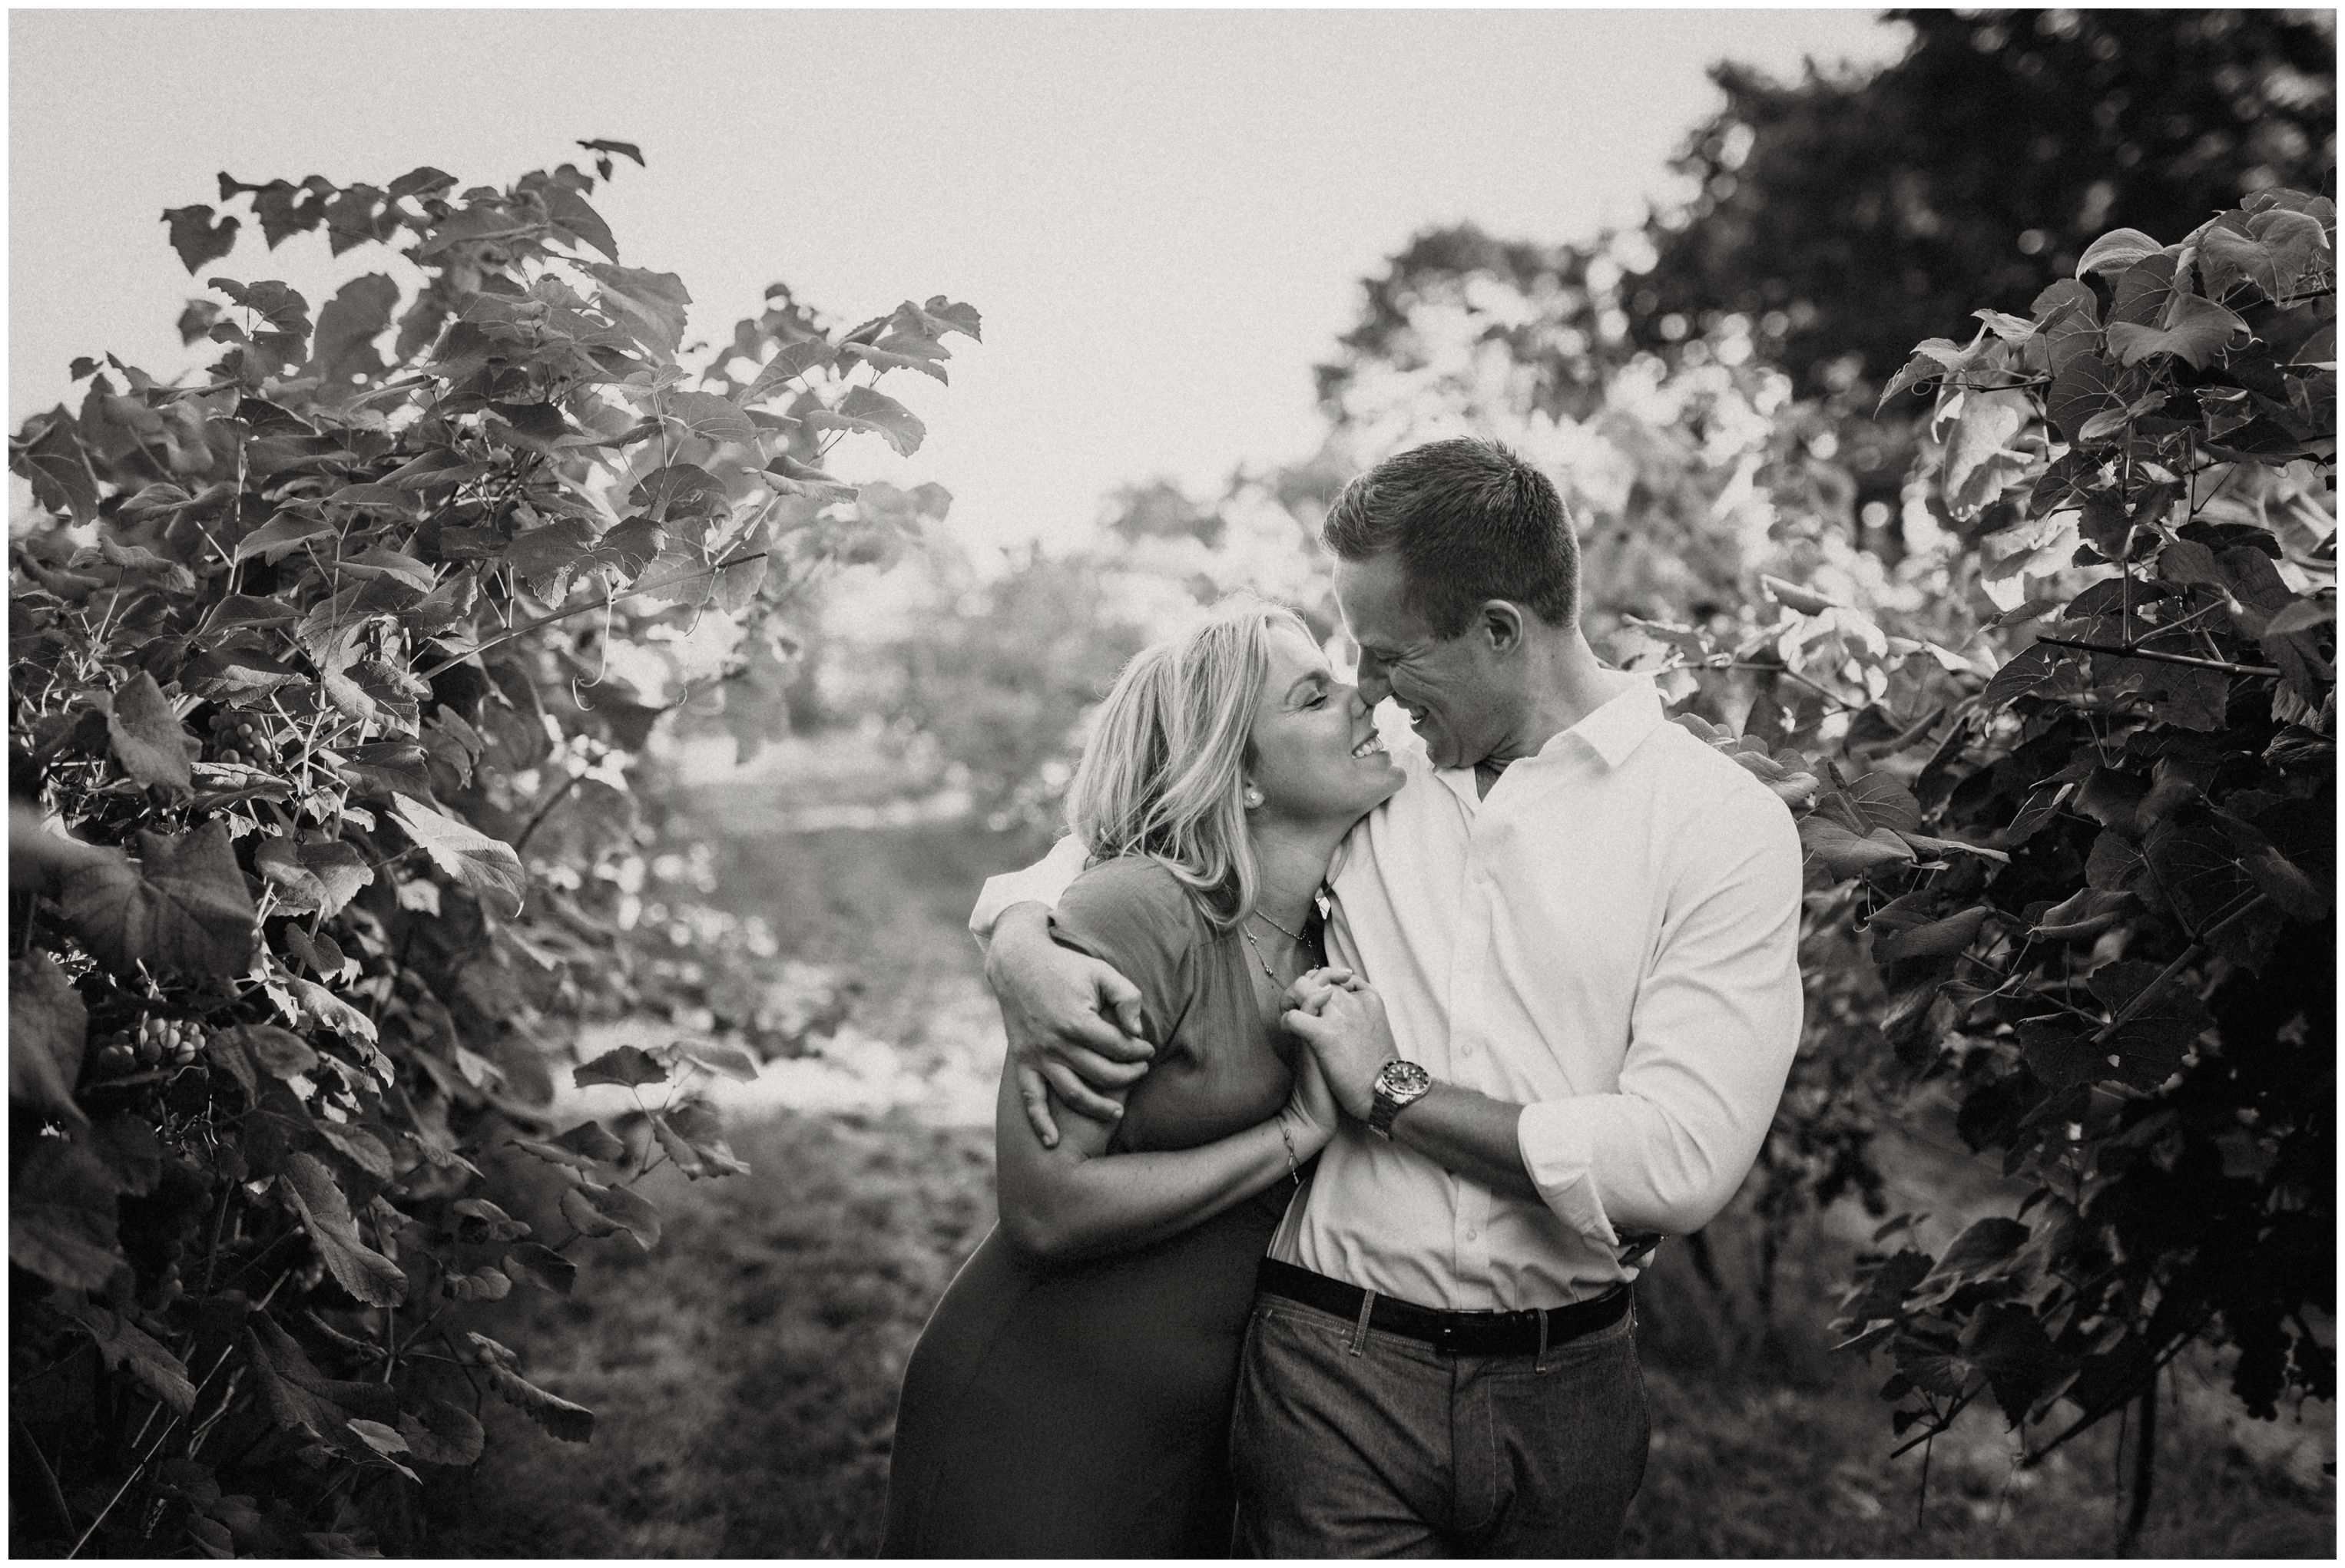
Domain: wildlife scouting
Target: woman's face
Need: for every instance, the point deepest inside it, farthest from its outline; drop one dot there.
(1317, 754)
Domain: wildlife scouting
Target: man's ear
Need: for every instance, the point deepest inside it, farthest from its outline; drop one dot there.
(1502, 624)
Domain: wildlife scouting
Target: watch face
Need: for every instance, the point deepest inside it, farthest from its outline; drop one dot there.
(1404, 1079)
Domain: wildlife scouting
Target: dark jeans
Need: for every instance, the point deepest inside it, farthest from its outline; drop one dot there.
(1352, 1444)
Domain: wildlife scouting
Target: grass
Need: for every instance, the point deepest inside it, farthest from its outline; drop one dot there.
(745, 1373)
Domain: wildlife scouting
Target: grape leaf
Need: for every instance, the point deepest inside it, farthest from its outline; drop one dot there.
(1938, 939)
(2029, 668)
(280, 1053)
(624, 149)
(544, 556)
(442, 1433)
(901, 352)
(2088, 912)
(183, 907)
(694, 1140)
(197, 237)
(2059, 1051)
(941, 315)
(618, 1208)
(792, 477)
(340, 870)
(1986, 1250)
(1843, 854)
(543, 1265)
(630, 547)
(730, 1061)
(48, 1028)
(327, 1009)
(325, 1213)
(678, 492)
(301, 1397)
(623, 1065)
(286, 531)
(341, 350)
(147, 738)
(284, 327)
(2116, 251)
(121, 1342)
(1979, 458)
(489, 866)
(2228, 258)
(58, 468)
(559, 1417)
(62, 1218)
(2085, 386)
(278, 861)
(2143, 291)
(380, 769)
(794, 361)
(569, 211)
(649, 305)
(2148, 1048)
(875, 412)
(712, 417)
(2007, 1342)
(2197, 330)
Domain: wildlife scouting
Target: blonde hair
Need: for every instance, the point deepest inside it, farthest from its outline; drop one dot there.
(1162, 775)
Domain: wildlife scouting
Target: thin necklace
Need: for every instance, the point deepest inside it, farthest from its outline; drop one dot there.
(1295, 936)
(1268, 973)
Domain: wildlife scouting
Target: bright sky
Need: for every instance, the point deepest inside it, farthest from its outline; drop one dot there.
(1163, 216)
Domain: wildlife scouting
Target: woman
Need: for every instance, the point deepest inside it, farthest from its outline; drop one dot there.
(1071, 1396)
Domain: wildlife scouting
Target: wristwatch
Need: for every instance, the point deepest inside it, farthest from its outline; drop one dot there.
(1401, 1084)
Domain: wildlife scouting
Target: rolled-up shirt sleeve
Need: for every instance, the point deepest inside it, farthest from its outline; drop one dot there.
(1041, 882)
(1712, 1033)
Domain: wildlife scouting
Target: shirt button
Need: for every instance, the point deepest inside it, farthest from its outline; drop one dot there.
(1465, 1049)
(1473, 1233)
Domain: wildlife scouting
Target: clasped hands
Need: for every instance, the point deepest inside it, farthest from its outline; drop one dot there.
(1342, 1020)
(1075, 1026)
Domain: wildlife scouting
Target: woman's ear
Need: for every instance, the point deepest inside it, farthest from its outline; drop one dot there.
(1249, 796)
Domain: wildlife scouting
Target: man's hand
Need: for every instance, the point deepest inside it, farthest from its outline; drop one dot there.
(1057, 1007)
(1343, 1021)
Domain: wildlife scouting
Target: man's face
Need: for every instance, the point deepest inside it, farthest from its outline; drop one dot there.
(1450, 688)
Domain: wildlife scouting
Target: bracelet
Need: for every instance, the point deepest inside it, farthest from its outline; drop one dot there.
(1286, 1138)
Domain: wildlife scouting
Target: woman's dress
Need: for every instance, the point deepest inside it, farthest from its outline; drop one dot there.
(1081, 1410)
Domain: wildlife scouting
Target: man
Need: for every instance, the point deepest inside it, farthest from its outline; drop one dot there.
(1583, 922)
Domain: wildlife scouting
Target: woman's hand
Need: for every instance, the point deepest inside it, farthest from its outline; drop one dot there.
(1342, 1019)
(1311, 1113)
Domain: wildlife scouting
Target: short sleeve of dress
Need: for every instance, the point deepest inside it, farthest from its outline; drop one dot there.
(1136, 917)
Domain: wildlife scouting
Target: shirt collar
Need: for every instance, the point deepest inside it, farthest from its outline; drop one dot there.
(1613, 731)
(1616, 728)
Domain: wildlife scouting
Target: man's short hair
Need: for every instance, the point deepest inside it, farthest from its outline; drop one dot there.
(1470, 522)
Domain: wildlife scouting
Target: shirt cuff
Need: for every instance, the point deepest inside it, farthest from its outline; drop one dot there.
(1555, 1138)
(1041, 883)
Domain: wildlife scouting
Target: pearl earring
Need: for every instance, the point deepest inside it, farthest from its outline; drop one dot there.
(1252, 798)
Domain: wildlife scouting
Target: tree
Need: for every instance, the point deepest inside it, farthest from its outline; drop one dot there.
(341, 657)
(2100, 907)
(1840, 219)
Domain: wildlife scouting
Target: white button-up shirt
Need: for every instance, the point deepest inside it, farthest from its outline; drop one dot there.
(1608, 938)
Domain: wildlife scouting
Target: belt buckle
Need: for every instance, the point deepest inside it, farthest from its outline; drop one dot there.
(1446, 1338)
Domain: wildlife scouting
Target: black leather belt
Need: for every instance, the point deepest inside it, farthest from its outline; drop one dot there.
(1453, 1333)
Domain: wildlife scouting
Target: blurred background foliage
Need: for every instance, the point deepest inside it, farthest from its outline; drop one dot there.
(1702, 385)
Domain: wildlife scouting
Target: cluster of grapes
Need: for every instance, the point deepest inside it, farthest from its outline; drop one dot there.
(159, 1040)
(242, 741)
(166, 1287)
